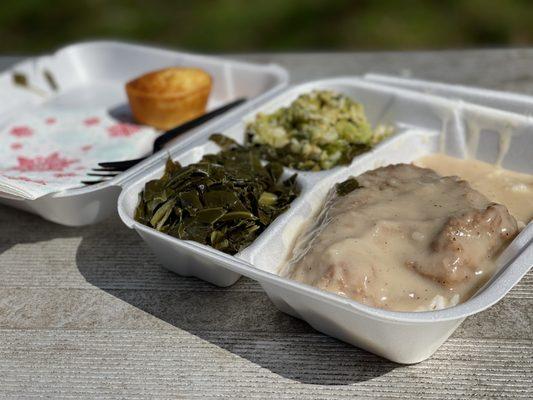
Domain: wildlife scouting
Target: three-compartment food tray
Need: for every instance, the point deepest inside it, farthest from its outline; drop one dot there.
(425, 124)
(93, 75)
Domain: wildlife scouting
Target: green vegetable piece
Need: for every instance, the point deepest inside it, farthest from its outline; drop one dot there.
(237, 215)
(192, 230)
(171, 167)
(267, 199)
(141, 214)
(162, 214)
(21, 80)
(50, 80)
(275, 170)
(223, 142)
(217, 237)
(348, 186)
(190, 200)
(210, 215)
(222, 198)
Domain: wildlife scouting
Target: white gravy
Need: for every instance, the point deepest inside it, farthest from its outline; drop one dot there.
(408, 240)
(512, 189)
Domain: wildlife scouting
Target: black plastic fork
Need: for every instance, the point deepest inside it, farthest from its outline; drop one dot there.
(111, 169)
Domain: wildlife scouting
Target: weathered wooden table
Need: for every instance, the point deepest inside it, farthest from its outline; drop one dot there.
(88, 312)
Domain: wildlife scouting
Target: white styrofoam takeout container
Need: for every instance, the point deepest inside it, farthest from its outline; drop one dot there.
(512, 102)
(92, 75)
(426, 124)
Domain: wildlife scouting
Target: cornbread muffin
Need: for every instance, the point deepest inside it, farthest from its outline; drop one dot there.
(169, 97)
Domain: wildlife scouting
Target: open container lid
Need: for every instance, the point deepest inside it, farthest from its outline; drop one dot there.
(93, 74)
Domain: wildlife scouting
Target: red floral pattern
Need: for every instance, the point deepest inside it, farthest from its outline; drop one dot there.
(53, 162)
(91, 121)
(64, 174)
(26, 179)
(21, 131)
(44, 153)
(122, 130)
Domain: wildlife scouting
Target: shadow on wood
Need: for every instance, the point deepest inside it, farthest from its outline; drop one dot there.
(240, 319)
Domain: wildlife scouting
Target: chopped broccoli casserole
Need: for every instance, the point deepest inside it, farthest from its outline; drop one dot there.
(317, 131)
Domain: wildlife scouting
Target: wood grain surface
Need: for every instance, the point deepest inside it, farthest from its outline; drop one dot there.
(89, 313)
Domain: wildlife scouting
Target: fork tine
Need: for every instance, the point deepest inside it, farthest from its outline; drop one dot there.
(92, 182)
(109, 170)
(120, 165)
(104, 169)
(116, 168)
(102, 175)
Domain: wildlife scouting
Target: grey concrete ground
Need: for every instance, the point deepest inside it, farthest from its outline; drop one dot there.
(89, 313)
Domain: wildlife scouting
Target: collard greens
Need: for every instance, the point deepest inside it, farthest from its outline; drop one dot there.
(225, 201)
(317, 131)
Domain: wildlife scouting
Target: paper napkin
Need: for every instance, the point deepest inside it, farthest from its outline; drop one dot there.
(43, 153)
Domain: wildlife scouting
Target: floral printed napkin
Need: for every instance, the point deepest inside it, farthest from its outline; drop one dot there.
(43, 153)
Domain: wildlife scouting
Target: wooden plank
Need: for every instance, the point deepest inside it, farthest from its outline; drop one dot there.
(136, 364)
